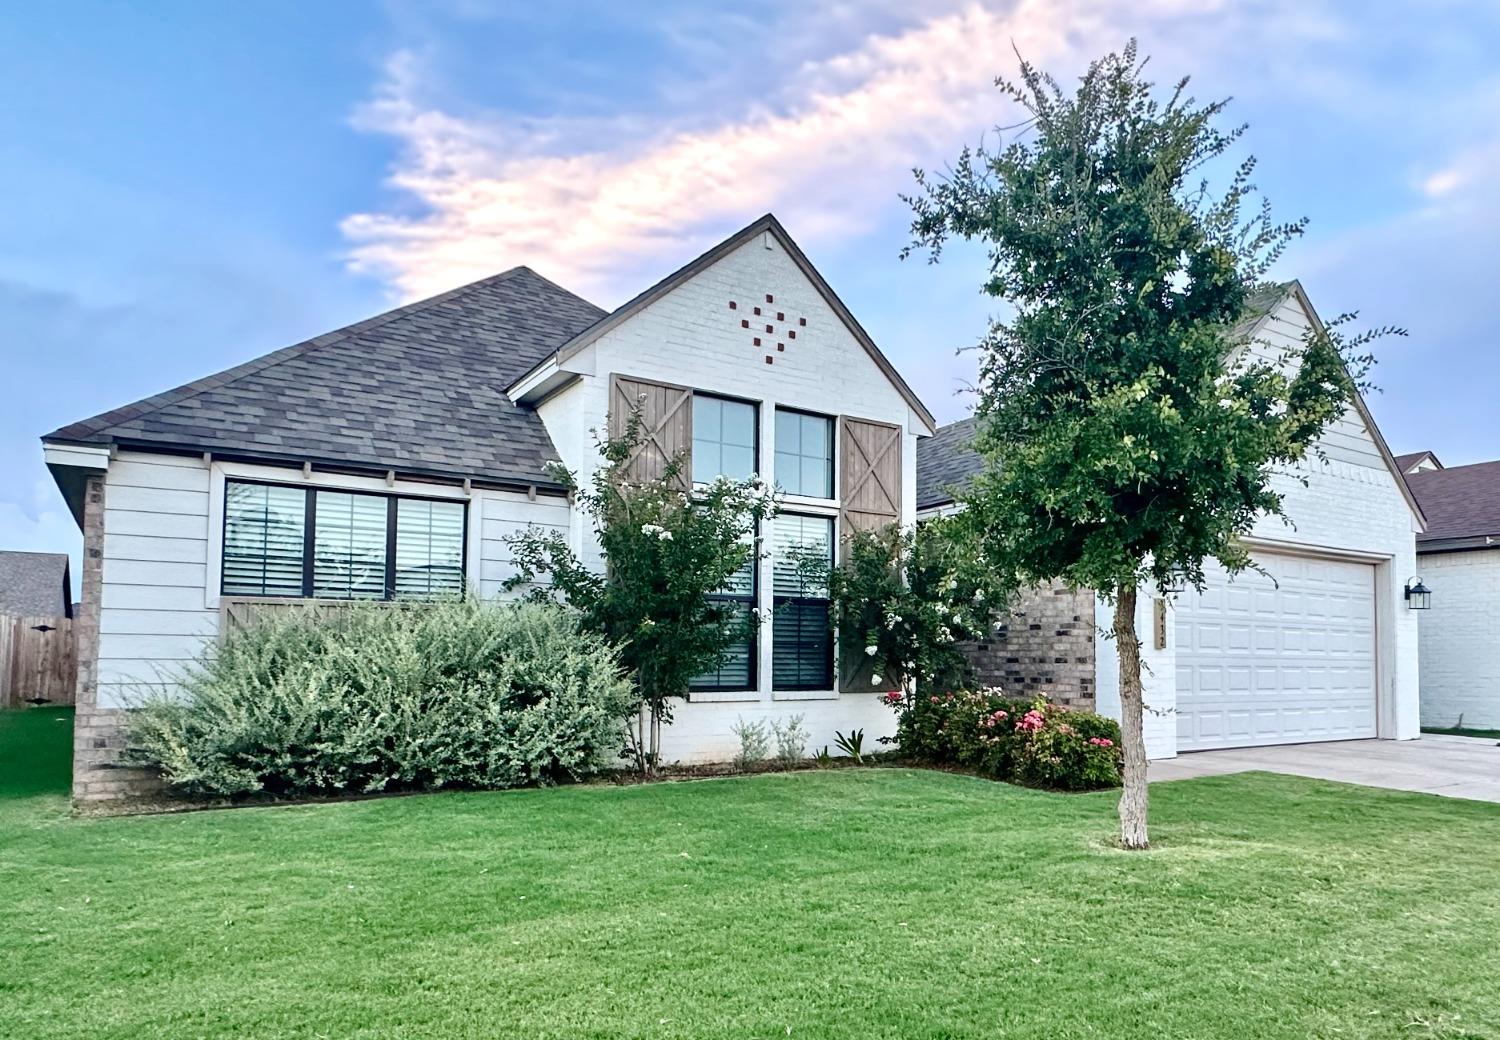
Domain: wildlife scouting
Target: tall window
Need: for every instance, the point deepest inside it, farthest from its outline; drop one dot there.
(737, 670)
(802, 641)
(724, 440)
(313, 542)
(804, 453)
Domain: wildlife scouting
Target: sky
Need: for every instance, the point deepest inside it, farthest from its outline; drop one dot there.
(187, 185)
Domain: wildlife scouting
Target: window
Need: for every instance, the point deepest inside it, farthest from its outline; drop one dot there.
(724, 439)
(804, 454)
(313, 542)
(802, 641)
(264, 539)
(737, 670)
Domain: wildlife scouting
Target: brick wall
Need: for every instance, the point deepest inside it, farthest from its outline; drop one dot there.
(98, 736)
(1460, 652)
(1046, 646)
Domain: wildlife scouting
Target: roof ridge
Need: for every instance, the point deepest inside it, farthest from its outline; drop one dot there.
(193, 388)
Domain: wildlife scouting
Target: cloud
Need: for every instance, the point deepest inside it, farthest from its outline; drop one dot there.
(587, 201)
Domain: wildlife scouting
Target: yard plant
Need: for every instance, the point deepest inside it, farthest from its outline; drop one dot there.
(876, 904)
(369, 698)
(667, 551)
(1129, 432)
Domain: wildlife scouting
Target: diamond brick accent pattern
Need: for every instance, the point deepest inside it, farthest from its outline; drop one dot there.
(770, 327)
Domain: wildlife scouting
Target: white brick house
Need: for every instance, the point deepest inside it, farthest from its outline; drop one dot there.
(395, 456)
(1322, 647)
(1458, 559)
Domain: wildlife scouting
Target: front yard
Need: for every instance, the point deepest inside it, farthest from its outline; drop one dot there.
(882, 902)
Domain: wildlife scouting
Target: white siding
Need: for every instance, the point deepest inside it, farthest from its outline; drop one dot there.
(163, 517)
(1460, 639)
(501, 515)
(153, 619)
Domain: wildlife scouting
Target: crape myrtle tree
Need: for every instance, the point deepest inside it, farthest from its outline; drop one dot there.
(1129, 431)
(666, 553)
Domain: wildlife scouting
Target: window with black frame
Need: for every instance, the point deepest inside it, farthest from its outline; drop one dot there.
(737, 670)
(725, 443)
(327, 544)
(804, 453)
(802, 639)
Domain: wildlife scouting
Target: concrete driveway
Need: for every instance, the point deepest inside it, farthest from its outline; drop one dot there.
(1457, 767)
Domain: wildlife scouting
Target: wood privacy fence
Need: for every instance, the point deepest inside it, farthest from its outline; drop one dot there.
(37, 661)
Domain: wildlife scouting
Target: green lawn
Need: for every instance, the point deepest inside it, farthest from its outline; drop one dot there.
(881, 902)
(1463, 731)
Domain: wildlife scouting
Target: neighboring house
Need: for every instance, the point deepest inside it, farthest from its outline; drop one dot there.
(1320, 647)
(34, 584)
(393, 458)
(1458, 558)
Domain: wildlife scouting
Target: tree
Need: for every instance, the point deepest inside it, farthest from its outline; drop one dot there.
(904, 599)
(666, 553)
(1129, 431)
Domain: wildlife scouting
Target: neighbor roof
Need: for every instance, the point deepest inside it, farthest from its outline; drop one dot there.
(1461, 502)
(419, 389)
(1405, 462)
(34, 584)
(946, 462)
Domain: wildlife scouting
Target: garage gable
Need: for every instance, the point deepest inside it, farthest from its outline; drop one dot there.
(1286, 316)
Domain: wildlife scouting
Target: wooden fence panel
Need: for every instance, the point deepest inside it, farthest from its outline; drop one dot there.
(38, 662)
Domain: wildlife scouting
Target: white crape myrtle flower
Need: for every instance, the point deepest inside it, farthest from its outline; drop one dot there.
(872, 650)
(875, 678)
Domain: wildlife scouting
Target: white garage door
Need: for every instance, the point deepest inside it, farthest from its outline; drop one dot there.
(1277, 662)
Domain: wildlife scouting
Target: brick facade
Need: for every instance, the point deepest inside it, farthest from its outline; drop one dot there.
(98, 736)
(1046, 646)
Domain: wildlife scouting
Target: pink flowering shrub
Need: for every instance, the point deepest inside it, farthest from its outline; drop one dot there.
(1028, 742)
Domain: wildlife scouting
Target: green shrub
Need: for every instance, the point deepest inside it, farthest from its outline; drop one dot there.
(372, 698)
(1027, 742)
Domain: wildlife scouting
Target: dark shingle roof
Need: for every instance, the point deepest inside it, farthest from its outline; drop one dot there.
(419, 389)
(1459, 502)
(1406, 462)
(34, 584)
(946, 461)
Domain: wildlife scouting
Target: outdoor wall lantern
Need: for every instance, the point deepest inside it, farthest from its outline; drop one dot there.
(1418, 596)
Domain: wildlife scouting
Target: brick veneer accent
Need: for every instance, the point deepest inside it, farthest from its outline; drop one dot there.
(1045, 646)
(98, 735)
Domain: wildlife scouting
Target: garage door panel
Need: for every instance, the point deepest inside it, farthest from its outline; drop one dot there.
(1279, 657)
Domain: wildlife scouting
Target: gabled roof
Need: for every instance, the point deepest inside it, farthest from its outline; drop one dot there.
(1418, 459)
(952, 462)
(1461, 503)
(766, 224)
(419, 389)
(946, 462)
(35, 584)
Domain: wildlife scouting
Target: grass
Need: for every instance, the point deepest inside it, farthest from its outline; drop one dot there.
(1463, 731)
(864, 903)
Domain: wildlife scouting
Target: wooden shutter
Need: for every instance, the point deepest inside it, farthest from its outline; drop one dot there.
(666, 426)
(869, 500)
(870, 478)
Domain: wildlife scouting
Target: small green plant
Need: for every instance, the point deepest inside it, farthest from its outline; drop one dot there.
(852, 745)
(823, 759)
(755, 742)
(791, 740)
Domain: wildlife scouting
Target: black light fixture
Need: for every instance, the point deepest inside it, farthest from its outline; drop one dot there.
(1418, 596)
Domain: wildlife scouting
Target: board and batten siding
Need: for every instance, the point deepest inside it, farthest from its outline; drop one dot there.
(163, 524)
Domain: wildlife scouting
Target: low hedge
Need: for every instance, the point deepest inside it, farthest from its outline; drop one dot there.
(373, 698)
(1034, 742)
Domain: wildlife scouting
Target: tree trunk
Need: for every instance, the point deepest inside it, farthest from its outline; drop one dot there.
(1133, 799)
